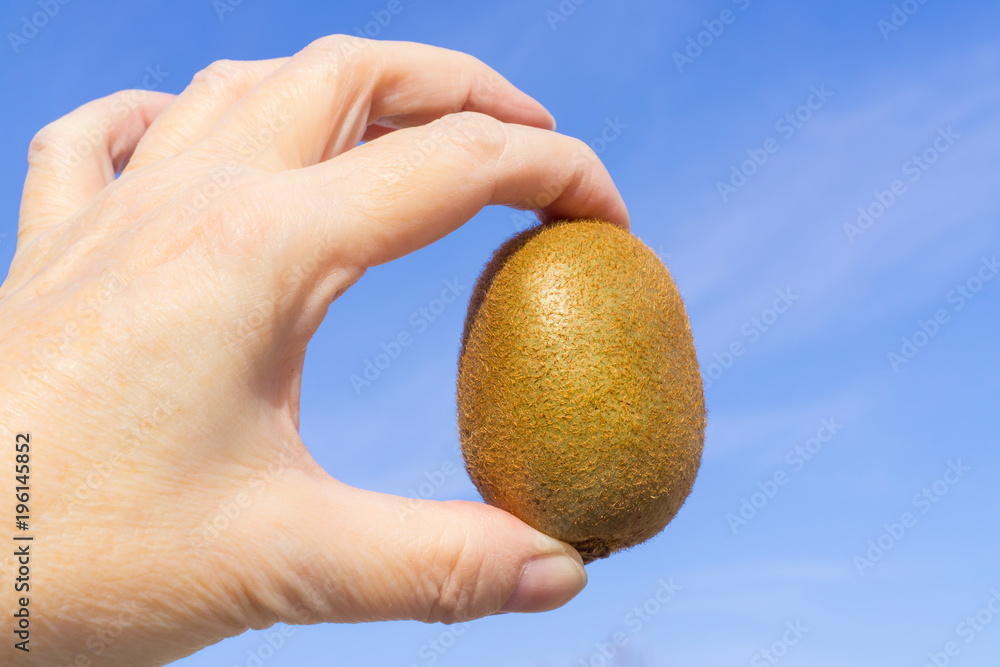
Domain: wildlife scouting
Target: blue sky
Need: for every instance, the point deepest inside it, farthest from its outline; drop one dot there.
(817, 375)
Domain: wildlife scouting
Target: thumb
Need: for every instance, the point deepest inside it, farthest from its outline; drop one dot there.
(355, 555)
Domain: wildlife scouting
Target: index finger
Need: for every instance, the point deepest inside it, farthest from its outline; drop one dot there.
(407, 189)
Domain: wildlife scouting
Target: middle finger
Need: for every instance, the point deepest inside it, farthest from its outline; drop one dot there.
(319, 103)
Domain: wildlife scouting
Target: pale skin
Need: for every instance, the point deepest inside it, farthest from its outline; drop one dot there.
(154, 330)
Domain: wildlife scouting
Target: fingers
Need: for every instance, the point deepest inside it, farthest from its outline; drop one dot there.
(354, 555)
(326, 96)
(207, 98)
(72, 159)
(407, 189)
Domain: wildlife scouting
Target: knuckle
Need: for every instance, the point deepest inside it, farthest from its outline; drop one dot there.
(582, 163)
(582, 152)
(56, 141)
(480, 135)
(219, 74)
(484, 82)
(457, 587)
(343, 48)
(50, 139)
(84, 130)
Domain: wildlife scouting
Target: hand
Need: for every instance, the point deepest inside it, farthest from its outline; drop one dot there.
(154, 328)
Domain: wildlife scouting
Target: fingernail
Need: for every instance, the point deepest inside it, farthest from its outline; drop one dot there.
(546, 582)
(534, 105)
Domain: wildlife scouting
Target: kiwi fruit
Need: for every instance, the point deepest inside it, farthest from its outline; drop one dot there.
(580, 404)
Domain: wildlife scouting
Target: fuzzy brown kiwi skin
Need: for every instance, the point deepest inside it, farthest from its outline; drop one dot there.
(580, 404)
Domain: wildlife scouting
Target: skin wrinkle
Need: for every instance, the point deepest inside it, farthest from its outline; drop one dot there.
(446, 600)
